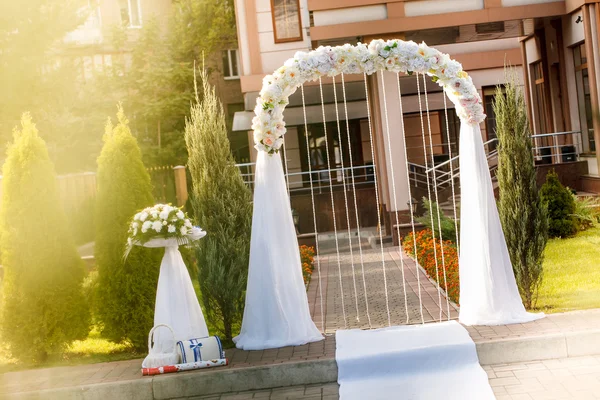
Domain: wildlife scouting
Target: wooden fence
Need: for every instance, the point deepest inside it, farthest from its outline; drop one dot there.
(75, 190)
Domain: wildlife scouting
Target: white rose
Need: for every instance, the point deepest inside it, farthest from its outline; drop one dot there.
(157, 226)
(180, 214)
(184, 230)
(164, 214)
(137, 217)
(143, 216)
(154, 214)
(187, 223)
(171, 228)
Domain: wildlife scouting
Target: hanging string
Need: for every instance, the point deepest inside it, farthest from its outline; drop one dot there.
(312, 197)
(451, 173)
(337, 246)
(362, 264)
(287, 172)
(389, 147)
(387, 303)
(337, 118)
(410, 203)
(437, 273)
(437, 202)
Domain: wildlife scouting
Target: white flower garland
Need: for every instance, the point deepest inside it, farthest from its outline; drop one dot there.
(391, 55)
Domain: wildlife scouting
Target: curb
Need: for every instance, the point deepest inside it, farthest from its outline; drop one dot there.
(502, 351)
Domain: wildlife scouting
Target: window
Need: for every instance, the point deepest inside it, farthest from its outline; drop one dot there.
(231, 64)
(131, 13)
(540, 104)
(489, 95)
(583, 98)
(286, 20)
(490, 27)
(318, 150)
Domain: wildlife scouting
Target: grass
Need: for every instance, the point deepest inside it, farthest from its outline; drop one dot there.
(94, 349)
(571, 273)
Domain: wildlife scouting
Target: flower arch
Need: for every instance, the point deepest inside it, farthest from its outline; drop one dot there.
(276, 311)
(392, 55)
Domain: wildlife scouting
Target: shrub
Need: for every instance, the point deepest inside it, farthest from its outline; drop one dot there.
(448, 227)
(81, 221)
(307, 258)
(222, 205)
(587, 212)
(522, 212)
(426, 258)
(561, 207)
(44, 309)
(126, 290)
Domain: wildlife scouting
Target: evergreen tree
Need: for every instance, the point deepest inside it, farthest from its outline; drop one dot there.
(523, 214)
(561, 207)
(126, 289)
(44, 308)
(222, 205)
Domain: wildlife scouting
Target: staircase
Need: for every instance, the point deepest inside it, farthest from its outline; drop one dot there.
(447, 173)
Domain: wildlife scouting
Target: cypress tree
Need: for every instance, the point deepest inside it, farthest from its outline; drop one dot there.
(222, 205)
(523, 214)
(44, 307)
(126, 289)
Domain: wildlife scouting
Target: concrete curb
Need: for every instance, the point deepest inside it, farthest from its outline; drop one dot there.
(173, 386)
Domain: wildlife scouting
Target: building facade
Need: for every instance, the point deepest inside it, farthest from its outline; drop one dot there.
(553, 46)
(91, 49)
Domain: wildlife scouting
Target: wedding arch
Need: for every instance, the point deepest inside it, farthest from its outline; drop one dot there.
(277, 312)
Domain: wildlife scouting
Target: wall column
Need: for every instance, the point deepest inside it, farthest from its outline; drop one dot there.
(591, 54)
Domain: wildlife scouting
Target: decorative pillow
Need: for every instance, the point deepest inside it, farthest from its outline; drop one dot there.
(204, 349)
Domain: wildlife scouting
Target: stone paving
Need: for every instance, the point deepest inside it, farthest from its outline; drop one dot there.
(575, 378)
(350, 299)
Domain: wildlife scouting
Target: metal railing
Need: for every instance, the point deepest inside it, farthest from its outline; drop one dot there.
(548, 148)
(300, 181)
(443, 174)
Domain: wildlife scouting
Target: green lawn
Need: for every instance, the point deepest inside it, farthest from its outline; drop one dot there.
(571, 273)
(94, 349)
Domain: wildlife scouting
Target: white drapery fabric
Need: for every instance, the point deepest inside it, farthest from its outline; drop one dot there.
(176, 301)
(488, 290)
(276, 312)
(419, 362)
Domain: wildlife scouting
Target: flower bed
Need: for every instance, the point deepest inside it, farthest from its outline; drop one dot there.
(307, 257)
(426, 258)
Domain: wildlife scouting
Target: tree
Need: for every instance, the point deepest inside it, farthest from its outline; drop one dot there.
(126, 288)
(561, 207)
(222, 205)
(44, 308)
(523, 215)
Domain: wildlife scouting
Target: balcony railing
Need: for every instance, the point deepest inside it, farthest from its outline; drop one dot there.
(547, 149)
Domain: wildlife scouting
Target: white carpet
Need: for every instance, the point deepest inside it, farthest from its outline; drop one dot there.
(432, 361)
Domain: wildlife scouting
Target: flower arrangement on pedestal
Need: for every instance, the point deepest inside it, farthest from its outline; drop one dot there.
(162, 221)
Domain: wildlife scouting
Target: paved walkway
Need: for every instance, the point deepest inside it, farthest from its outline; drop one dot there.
(350, 299)
(564, 379)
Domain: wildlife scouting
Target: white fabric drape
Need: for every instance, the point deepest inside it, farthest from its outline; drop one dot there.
(276, 312)
(176, 301)
(488, 290)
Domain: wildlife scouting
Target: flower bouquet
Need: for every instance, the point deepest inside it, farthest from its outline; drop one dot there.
(162, 225)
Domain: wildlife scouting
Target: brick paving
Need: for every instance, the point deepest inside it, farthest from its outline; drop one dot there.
(405, 284)
(576, 378)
